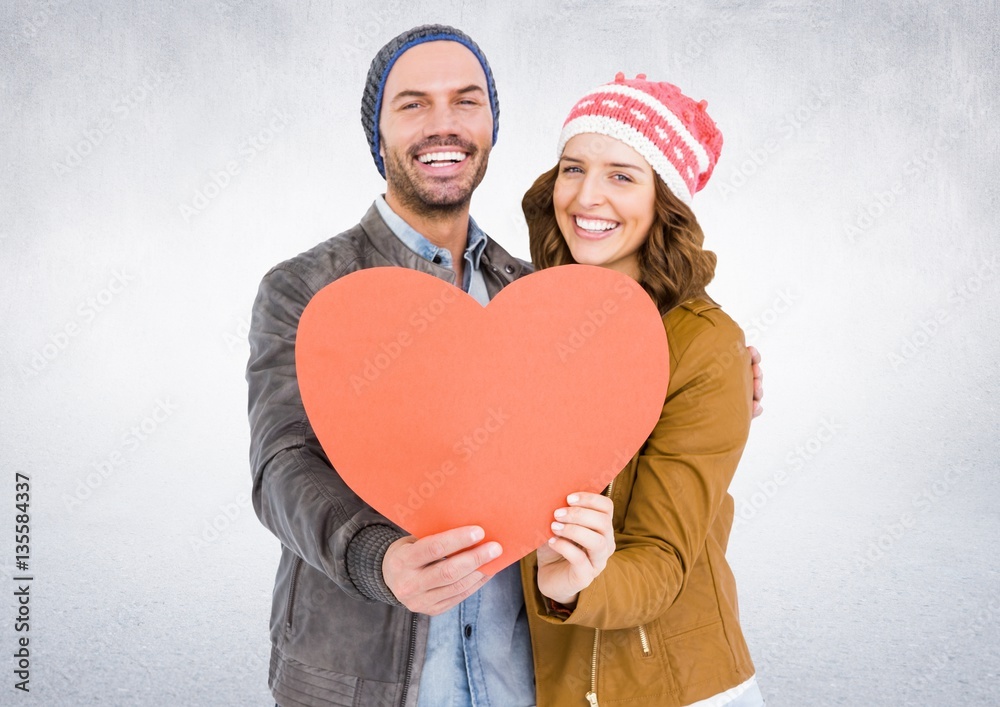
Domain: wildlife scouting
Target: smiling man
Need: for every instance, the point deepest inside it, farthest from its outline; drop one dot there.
(436, 127)
(362, 613)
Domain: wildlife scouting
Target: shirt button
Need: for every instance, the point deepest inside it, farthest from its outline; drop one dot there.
(509, 269)
(468, 630)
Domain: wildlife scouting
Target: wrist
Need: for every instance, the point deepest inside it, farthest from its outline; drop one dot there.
(365, 553)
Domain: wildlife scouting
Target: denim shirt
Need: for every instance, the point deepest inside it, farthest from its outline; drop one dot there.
(472, 276)
(478, 652)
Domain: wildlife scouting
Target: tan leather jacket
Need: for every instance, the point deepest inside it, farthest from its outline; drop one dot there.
(660, 626)
(338, 635)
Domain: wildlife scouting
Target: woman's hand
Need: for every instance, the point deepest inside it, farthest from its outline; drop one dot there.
(758, 381)
(583, 541)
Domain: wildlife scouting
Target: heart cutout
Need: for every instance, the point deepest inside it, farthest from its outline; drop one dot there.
(441, 413)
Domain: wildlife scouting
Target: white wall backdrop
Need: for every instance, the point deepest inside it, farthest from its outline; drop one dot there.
(158, 159)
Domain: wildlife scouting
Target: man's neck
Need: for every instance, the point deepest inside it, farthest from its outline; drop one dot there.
(449, 230)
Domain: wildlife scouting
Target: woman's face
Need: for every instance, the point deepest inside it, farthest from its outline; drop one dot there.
(604, 199)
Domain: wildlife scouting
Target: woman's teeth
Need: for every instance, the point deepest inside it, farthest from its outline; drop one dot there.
(594, 224)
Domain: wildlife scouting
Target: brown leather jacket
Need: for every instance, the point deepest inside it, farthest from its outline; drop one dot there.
(338, 635)
(660, 625)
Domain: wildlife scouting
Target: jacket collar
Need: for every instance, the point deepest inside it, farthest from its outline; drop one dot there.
(499, 267)
(419, 244)
(395, 251)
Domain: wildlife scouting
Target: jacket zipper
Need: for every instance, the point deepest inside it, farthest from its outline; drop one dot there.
(644, 640)
(592, 695)
(291, 592)
(409, 660)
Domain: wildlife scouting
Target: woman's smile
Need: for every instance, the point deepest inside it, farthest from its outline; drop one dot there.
(595, 228)
(603, 201)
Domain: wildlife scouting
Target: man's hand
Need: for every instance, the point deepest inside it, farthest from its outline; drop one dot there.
(430, 575)
(758, 380)
(583, 541)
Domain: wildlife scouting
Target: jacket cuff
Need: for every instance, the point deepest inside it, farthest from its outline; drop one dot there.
(364, 562)
(554, 608)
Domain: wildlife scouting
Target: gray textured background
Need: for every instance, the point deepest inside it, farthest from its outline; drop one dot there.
(854, 214)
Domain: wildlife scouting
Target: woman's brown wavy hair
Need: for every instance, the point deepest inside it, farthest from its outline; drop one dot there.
(673, 266)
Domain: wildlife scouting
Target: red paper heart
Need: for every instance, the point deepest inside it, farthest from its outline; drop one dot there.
(440, 413)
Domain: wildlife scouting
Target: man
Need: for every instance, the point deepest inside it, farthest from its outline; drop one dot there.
(354, 597)
(362, 613)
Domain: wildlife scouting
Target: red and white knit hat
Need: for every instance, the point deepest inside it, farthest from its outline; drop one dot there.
(671, 131)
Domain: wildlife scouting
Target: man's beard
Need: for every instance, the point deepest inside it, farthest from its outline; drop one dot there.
(425, 195)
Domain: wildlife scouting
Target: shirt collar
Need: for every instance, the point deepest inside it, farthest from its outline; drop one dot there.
(416, 242)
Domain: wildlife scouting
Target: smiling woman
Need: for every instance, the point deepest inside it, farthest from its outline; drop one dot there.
(603, 198)
(656, 622)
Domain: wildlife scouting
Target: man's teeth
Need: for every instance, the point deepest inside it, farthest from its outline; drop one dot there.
(594, 224)
(436, 157)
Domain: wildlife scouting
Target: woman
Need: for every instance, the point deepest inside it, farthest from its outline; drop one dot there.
(633, 602)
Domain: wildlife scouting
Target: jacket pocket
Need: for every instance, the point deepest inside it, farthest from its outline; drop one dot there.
(701, 656)
(633, 668)
(292, 586)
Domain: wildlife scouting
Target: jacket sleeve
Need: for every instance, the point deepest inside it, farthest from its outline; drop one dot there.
(681, 481)
(296, 493)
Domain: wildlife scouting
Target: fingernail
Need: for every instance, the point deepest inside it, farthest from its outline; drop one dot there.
(495, 550)
(558, 526)
(572, 498)
(478, 534)
(560, 513)
(552, 541)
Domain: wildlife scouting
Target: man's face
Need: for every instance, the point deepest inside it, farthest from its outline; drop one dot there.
(436, 127)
